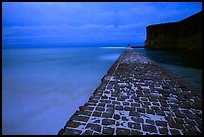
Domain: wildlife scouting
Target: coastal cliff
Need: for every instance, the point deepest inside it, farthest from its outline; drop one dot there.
(185, 34)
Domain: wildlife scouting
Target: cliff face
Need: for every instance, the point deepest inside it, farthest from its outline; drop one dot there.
(185, 34)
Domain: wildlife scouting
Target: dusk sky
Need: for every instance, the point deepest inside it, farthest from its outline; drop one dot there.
(39, 24)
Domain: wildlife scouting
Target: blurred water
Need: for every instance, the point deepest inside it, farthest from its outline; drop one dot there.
(43, 87)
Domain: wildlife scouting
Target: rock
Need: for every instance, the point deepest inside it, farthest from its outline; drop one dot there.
(122, 131)
(108, 130)
(175, 132)
(69, 131)
(149, 128)
(108, 122)
(163, 131)
(96, 114)
(116, 116)
(150, 121)
(137, 119)
(135, 132)
(161, 123)
(134, 125)
(95, 127)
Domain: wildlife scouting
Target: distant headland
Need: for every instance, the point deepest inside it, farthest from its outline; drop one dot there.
(185, 34)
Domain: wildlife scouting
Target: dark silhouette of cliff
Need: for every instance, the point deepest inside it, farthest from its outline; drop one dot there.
(185, 34)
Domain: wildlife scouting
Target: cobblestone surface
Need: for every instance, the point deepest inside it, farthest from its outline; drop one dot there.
(138, 97)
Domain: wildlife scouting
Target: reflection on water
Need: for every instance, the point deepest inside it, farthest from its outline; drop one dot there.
(43, 87)
(186, 64)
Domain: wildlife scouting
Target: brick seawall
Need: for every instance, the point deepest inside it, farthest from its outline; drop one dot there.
(138, 97)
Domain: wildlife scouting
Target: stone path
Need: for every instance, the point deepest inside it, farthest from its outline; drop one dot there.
(138, 97)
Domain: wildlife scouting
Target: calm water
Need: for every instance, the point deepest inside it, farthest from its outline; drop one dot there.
(43, 87)
(185, 64)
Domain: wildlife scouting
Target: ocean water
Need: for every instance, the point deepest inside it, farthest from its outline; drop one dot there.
(43, 87)
(187, 65)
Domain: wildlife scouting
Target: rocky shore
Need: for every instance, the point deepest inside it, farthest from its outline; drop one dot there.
(138, 97)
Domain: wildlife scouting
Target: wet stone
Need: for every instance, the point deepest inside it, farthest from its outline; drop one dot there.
(137, 119)
(87, 113)
(126, 108)
(72, 124)
(94, 127)
(100, 108)
(135, 132)
(135, 104)
(72, 132)
(151, 122)
(142, 110)
(88, 132)
(134, 125)
(179, 114)
(107, 115)
(116, 116)
(163, 131)
(149, 128)
(108, 122)
(189, 114)
(119, 107)
(101, 104)
(122, 131)
(132, 113)
(79, 118)
(175, 125)
(108, 130)
(160, 112)
(161, 123)
(96, 114)
(175, 132)
(124, 118)
(126, 103)
(150, 111)
(179, 120)
(191, 122)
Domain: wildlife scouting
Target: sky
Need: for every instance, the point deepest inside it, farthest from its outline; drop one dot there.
(55, 24)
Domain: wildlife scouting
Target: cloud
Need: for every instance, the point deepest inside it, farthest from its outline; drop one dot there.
(74, 22)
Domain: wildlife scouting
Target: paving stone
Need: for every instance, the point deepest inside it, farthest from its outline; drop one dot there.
(124, 118)
(189, 114)
(95, 127)
(122, 131)
(163, 131)
(119, 107)
(134, 125)
(100, 108)
(107, 115)
(155, 108)
(175, 132)
(132, 113)
(179, 114)
(108, 130)
(101, 104)
(192, 130)
(88, 132)
(127, 108)
(150, 111)
(73, 124)
(150, 121)
(108, 122)
(87, 113)
(116, 116)
(136, 132)
(179, 120)
(137, 119)
(191, 122)
(142, 110)
(79, 118)
(160, 112)
(149, 128)
(175, 125)
(69, 131)
(135, 104)
(96, 114)
(161, 123)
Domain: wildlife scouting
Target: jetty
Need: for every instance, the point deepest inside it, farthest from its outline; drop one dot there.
(138, 97)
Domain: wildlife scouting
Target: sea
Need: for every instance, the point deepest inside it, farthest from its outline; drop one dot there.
(43, 87)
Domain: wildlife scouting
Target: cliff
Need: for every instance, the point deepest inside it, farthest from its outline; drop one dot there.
(185, 34)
